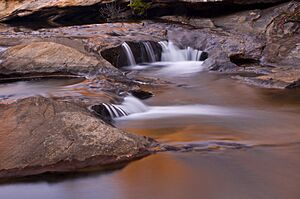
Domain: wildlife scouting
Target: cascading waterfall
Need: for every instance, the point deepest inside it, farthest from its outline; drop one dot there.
(130, 105)
(129, 54)
(174, 61)
(149, 51)
(133, 108)
(171, 53)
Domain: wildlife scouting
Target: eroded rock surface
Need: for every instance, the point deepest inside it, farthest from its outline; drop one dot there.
(39, 135)
(261, 41)
(265, 40)
(47, 57)
(74, 49)
(11, 9)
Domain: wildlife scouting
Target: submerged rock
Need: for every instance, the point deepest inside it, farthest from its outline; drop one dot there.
(39, 135)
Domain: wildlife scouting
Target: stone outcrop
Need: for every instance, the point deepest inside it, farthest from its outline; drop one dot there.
(71, 49)
(12, 8)
(53, 10)
(264, 42)
(47, 57)
(39, 135)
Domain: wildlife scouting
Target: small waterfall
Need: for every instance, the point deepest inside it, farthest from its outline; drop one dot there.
(129, 54)
(130, 105)
(163, 44)
(149, 51)
(171, 52)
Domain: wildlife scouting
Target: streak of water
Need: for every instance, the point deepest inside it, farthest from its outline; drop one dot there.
(171, 52)
(132, 108)
(129, 54)
(150, 51)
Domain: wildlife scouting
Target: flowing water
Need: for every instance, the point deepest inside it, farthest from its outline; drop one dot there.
(199, 107)
(129, 54)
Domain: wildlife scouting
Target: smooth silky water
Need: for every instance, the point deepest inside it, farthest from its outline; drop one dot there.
(197, 107)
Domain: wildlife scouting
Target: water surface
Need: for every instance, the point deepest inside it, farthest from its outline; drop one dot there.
(265, 120)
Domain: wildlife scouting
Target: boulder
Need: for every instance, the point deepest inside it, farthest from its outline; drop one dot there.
(47, 57)
(12, 8)
(53, 10)
(40, 135)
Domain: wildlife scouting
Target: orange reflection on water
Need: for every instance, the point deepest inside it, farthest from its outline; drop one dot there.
(171, 177)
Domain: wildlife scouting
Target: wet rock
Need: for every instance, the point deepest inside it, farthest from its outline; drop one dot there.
(208, 146)
(253, 38)
(279, 78)
(47, 57)
(41, 135)
(22, 8)
(283, 38)
(89, 11)
(220, 45)
(68, 48)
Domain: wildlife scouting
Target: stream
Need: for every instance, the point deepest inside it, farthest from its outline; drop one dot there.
(200, 108)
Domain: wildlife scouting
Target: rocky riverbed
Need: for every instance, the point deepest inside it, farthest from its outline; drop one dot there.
(258, 46)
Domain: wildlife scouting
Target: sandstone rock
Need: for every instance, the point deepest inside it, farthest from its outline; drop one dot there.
(39, 135)
(278, 78)
(47, 57)
(254, 38)
(71, 49)
(11, 8)
(55, 9)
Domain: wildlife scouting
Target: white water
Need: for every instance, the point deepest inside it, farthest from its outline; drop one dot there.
(180, 68)
(130, 105)
(171, 52)
(129, 54)
(175, 61)
(149, 51)
(134, 109)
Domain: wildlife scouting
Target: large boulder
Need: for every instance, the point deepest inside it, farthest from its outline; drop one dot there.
(39, 135)
(47, 57)
(12, 8)
(53, 10)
